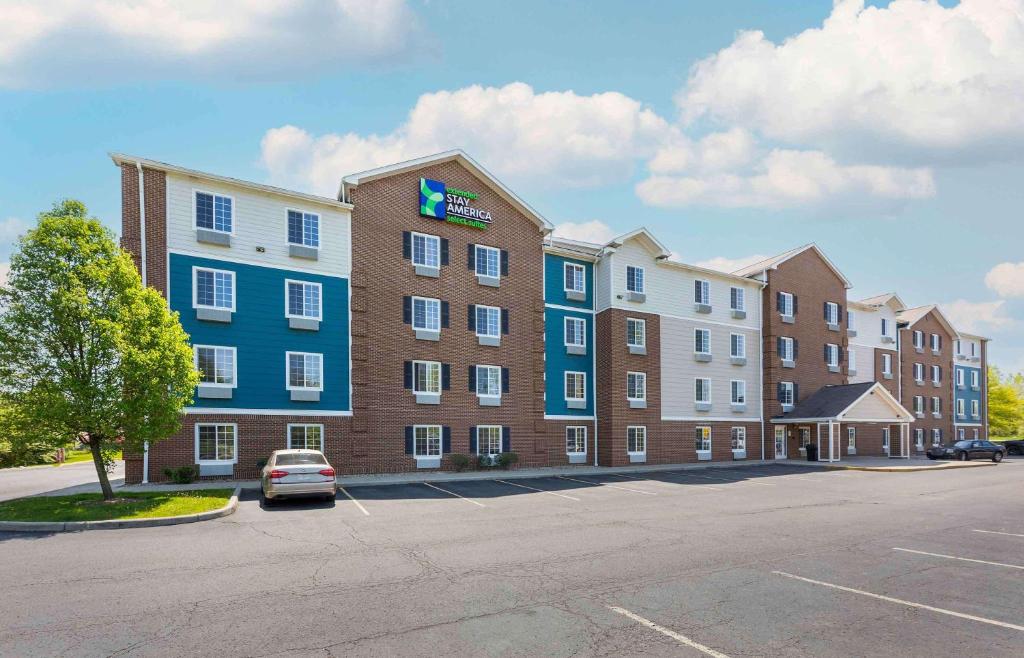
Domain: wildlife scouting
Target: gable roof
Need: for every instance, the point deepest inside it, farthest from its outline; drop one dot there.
(457, 155)
(646, 238)
(835, 402)
(774, 262)
(911, 316)
(883, 299)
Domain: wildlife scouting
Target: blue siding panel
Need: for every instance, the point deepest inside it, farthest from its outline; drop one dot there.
(967, 395)
(557, 362)
(554, 281)
(259, 331)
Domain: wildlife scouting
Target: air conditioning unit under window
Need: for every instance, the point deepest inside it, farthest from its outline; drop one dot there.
(489, 460)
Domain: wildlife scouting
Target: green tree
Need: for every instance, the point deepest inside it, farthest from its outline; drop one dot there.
(85, 350)
(1005, 404)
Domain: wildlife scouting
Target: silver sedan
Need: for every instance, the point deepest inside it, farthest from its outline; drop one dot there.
(298, 473)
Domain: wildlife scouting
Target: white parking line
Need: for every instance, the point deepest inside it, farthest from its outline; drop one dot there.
(553, 493)
(682, 639)
(911, 604)
(702, 487)
(962, 559)
(996, 532)
(350, 497)
(452, 493)
(610, 486)
(709, 477)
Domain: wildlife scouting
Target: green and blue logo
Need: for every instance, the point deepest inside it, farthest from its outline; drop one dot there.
(432, 198)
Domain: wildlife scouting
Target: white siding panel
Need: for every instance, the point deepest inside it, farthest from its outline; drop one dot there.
(602, 284)
(865, 364)
(871, 407)
(869, 328)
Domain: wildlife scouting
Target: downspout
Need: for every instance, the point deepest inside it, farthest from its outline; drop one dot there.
(142, 259)
(760, 351)
(593, 324)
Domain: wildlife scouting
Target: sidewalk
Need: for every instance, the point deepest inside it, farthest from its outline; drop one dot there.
(889, 465)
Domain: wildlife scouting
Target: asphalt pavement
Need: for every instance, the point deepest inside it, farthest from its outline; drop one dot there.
(70, 478)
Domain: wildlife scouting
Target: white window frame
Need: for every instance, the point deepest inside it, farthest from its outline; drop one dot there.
(787, 354)
(705, 439)
(489, 429)
(787, 304)
(919, 404)
(565, 385)
(304, 214)
(833, 312)
(936, 404)
(642, 324)
(791, 389)
(639, 386)
(639, 435)
(477, 260)
(216, 462)
(919, 439)
(885, 327)
(428, 301)
(575, 268)
(976, 378)
(287, 371)
(234, 364)
(936, 343)
(851, 438)
(918, 338)
(936, 436)
(961, 408)
(576, 430)
(696, 332)
(705, 291)
(960, 377)
(742, 354)
(432, 365)
(476, 319)
(936, 374)
(582, 332)
(305, 427)
(487, 369)
(440, 441)
(887, 364)
(640, 277)
(427, 238)
(195, 208)
(742, 389)
(697, 389)
(918, 372)
(195, 288)
(833, 355)
(851, 324)
(320, 299)
(740, 295)
(851, 359)
(975, 409)
(738, 438)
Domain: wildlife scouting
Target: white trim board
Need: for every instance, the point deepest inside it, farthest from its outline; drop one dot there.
(227, 411)
(239, 261)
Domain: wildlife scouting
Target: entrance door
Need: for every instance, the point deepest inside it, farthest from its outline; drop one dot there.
(780, 442)
(805, 438)
(885, 440)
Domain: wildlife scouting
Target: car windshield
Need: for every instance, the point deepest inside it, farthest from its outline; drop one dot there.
(298, 458)
(963, 444)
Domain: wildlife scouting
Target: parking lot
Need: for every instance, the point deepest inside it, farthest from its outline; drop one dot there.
(765, 560)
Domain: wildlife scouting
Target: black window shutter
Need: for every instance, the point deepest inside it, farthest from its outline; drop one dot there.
(506, 438)
(445, 317)
(778, 392)
(408, 374)
(504, 380)
(796, 350)
(408, 440)
(472, 440)
(839, 313)
(406, 245)
(444, 251)
(471, 317)
(840, 354)
(446, 439)
(472, 378)
(504, 263)
(504, 320)
(778, 301)
(796, 393)
(471, 256)
(407, 309)
(795, 307)
(778, 346)
(826, 353)
(446, 376)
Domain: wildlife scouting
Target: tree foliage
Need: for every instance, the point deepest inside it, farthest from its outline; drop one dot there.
(85, 350)
(1005, 404)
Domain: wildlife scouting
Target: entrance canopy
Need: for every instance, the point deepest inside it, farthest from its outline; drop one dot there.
(867, 402)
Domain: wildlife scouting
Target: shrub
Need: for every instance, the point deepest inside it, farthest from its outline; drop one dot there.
(181, 475)
(506, 459)
(260, 463)
(460, 462)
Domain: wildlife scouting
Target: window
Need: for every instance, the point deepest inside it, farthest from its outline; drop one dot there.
(488, 261)
(975, 409)
(426, 314)
(832, 355)
(937, 436)
(304, 371)
(426, 377)
(575, 386)
(306, 437)
(887, 364)
(303, 228)
(786, 395)
(919, 404)
(918, 372)
(851, 438)
(574, 278)
(851, 360)
(488, 381)
(960, 407)
(634, 279)
(636, 332)
(213, 212)
(886, 327)
(426, 250)
(936, 374)
(919, 436)
(737, 299)
(739, 391)
(488, 321)
(216, 365)
(575, 332)
(636, 440)
(959, 377)
(576, 440)
(702, 390)
(737, 438)
(786, 303)
(850, 323)
(303, 299)
(213, 288)
(737, 346)
(488, 439)
(957, 347)
(216, 443)
(936, 405)
(702, 439)
(426, 441)
(786, 352)
(831, 313)
(936, 342)
(701, 292)
(974, 378)
(701, 341)
(636, 386)
(974, 349)
(918, 339)
(961, 434)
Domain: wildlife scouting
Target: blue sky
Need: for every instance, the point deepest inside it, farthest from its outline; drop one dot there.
(889, 134)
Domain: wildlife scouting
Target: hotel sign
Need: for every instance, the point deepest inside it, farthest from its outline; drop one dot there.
(448, 204)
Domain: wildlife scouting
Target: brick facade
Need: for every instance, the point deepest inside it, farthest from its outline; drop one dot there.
(891, 385)
(928, 325)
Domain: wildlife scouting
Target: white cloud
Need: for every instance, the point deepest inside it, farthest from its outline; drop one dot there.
(52, 41)
(977, 317)
(714, 152)
(11, 229)
(5, 270)
(723, 264)
(555, 137)
(594, 231)
(913, 79)
(789, 178)
(1006, 279)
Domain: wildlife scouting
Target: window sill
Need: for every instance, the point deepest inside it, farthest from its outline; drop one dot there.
(427, 270)
(937, 384)
(304, 252)
(704, 455)
(888, 339)
(851, 451)
(577, 458)
(886, 375)
(788, 319)
(834, 369)
(919, 350)
(576, 404)
(702, 308)
(489, 341)
(919, 414)
(919, 382)
(833, 327)
(214, 314)
(788, 364)
(701, 358)
(637, 297)
(852, 333)
(304, 395)
(739, 315)
(739, 454)
(576, 295)
(490, 281)
(852, 372)
(576, 350)
(702, 406)
(738, 407)
(218, 238)
(216, 468)
(637, 404)
(936, 352)
(428, 462)
(304, 324)
(786, 408)
(428, 398)
(638, 349)
(215, 392)
(975, 388)
(935, 415)
(427, 334)
(738, 360)
(489, 400)
(637, 457)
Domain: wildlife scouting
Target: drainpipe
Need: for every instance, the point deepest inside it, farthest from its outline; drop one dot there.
(142, 259)
(593, 324)
(145, 463)
(760, 352)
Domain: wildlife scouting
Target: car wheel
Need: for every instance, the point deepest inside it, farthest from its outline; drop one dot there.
(932, 457)
(997, 457)
(964, 456)
(264, 501)
(1013, 450)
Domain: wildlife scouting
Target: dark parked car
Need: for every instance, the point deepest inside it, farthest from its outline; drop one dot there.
(1014, 446)
(971, 449)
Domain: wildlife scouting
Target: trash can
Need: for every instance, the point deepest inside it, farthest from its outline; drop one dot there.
(812, 452)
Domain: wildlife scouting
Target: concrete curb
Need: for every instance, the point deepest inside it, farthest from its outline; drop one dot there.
(909, 469)
(110, 524)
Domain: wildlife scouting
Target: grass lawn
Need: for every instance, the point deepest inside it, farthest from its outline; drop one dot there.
(128, 505)
(76, 456)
